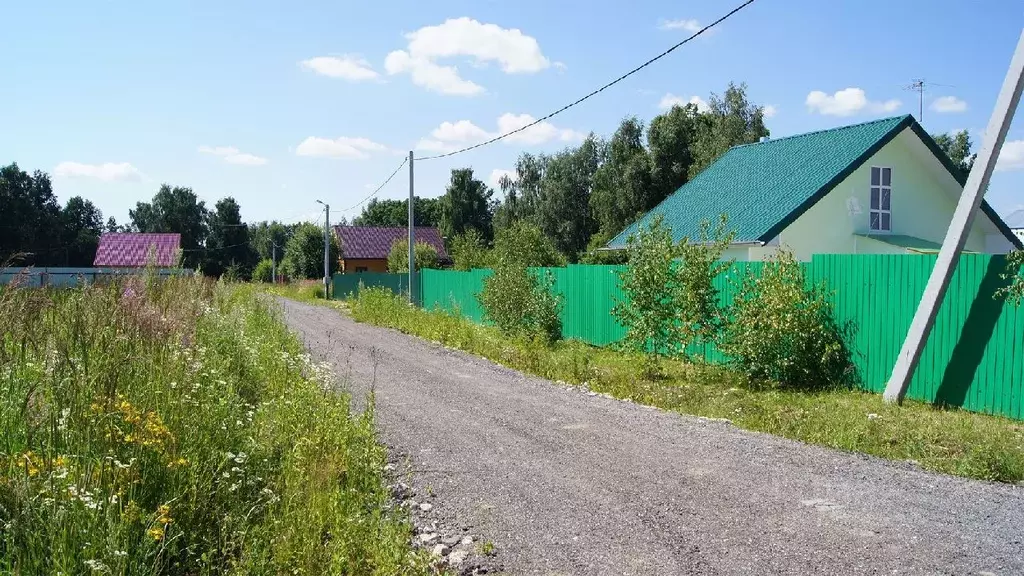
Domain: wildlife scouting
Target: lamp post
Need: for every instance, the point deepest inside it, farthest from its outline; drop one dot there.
(327, 249)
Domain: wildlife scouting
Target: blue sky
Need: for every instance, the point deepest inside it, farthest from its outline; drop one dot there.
(282, 103)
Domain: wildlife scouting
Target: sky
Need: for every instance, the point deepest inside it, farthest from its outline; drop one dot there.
(281, 104)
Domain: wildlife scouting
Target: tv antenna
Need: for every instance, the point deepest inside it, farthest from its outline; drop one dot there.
(918, 85)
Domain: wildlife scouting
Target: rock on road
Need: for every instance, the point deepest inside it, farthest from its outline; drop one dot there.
(566, 483)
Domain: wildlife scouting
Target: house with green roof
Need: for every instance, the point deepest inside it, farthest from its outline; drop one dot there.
(880, 187)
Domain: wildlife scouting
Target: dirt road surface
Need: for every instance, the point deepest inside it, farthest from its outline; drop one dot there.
(566, 483)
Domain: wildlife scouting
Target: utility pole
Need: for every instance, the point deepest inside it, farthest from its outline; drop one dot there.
(327, 250)
(956, 236)
(273, 262)
(918, 85)
(412, 236)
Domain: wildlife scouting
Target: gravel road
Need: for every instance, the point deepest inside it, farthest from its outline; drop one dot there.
(566, 483)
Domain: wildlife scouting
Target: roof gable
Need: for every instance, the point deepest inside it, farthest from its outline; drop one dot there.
(125, 249)
(762, 186)
(374, 242)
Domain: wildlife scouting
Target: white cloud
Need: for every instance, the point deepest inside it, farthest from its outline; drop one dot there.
(949, 104)
(513, 51)
(670, 100)
(847, 102)
(770, 111)
(107, 172)
(1011, 157)
(497, 174)
(454, 135)
(689, 25)
(342, 147)
(233, 155)
(346, 66)
(539, 134)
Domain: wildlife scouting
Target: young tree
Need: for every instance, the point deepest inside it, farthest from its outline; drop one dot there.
(304, 253)
(398, 258)
(466, 204)
(177, 210)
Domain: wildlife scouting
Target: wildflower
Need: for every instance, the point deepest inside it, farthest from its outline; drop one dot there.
(120, 553)
(97, 566)
(156, 532)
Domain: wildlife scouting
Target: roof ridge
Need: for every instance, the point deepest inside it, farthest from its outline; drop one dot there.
(823, 130)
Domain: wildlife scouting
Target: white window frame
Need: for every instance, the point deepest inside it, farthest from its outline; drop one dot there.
(876, 211)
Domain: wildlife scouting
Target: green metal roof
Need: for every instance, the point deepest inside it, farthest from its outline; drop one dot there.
(763, 187)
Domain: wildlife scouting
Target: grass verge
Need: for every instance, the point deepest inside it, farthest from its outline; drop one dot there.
(177, 427)
(950, 441)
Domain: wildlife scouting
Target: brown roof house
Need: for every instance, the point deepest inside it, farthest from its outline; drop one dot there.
(366, 248)
(135, 250)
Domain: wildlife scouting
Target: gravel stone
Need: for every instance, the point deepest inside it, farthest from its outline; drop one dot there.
(426, 507)
(428, 537)
(457, 557)
(439, 550)
(566, 483)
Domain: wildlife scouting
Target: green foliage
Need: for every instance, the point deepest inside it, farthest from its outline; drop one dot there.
(671, 138)
(518, 301)
(264, 271)
(565, 194)
(395, 213)
(263, 236)
(82, 225)
(304, 253)
(949, 441)
(398, 258)
(177, 210)
(466, 205)
(671, 301)
(1014, 291)
(201, 440)
(594, 254)
(524, 244)
(650, 284)
(783, 331)
(622, 186)
(468, 251)
(227, 244)
(958, 147)
(730, 120)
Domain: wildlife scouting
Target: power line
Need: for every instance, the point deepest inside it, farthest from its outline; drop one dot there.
(595, 92)
(381, 187)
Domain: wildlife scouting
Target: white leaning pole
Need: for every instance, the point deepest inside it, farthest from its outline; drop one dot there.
(959, 228)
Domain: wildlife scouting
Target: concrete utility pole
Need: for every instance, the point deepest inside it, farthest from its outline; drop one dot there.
(959, 228)
(273, 262)
(327, 250)
(412, 235)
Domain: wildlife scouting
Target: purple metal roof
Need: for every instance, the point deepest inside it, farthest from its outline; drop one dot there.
(132, 249)
(375, 242)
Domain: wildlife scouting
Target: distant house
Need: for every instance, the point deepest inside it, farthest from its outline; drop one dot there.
(366, 248)
(881, 187)
(1016, 223)
(134, 250)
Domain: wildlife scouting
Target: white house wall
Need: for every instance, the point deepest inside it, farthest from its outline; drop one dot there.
(924, 198)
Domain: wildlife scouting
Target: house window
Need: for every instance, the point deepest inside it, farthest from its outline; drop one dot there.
(880, 215)
(360, 269)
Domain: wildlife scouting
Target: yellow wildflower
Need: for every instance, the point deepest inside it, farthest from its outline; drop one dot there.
(163, 510)
(156, 532)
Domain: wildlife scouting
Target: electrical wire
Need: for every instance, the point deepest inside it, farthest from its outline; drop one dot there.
(379, 188)
(595, 92)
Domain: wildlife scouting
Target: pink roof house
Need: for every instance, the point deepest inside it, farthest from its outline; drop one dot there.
(133, 250)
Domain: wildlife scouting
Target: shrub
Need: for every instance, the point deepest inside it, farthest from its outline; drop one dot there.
(671, 301)
(263, 272)
(468, 251)
(518, 301)
(304, 252)
(398, 259)
(782, 331)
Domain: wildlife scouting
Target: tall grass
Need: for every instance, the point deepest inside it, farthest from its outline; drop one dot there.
(950, 441)
(176, 427)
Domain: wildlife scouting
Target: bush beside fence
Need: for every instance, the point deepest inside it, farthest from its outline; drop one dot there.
(974, 357)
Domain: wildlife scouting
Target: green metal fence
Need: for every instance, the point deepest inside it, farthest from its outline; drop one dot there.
(974, 357)
(345, 285)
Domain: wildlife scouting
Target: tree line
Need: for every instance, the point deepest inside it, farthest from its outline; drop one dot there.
(577, 199)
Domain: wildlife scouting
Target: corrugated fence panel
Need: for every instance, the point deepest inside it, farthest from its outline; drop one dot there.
(346, 285)
(974, 357)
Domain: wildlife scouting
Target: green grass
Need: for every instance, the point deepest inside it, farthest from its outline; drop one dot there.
(177, 427)
(301, 290)
(950, 441)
